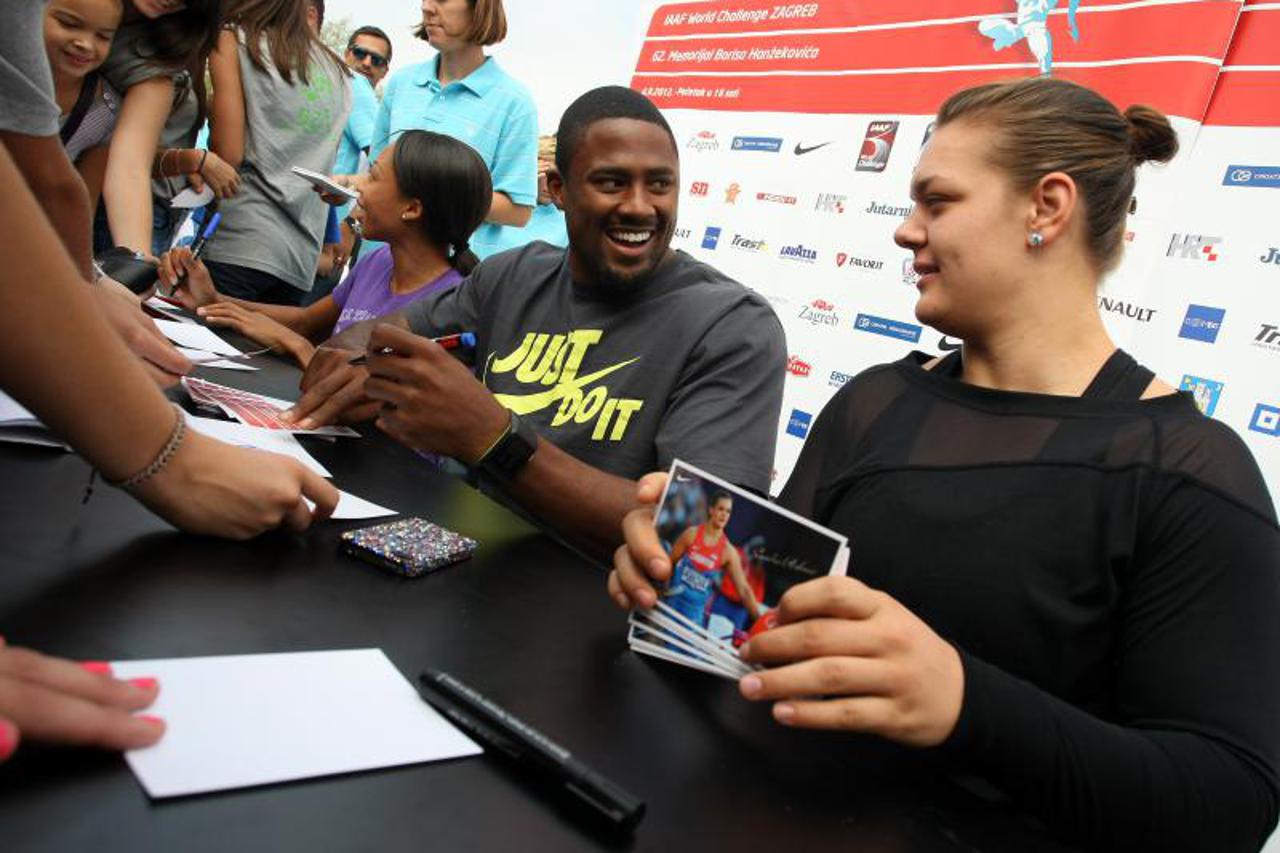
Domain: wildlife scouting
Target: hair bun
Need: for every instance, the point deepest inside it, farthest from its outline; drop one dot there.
(1151, 137)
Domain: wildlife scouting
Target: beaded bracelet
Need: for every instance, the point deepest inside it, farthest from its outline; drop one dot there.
(162, 458)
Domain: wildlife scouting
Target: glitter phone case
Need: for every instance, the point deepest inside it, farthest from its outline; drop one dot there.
(410, 547)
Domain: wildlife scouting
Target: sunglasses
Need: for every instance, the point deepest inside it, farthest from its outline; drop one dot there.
(361, 54)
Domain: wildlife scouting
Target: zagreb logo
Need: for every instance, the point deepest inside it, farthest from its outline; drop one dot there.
(819, 312)
(876, 145)
(798, 367)
(774, 198)
(1266, 420)
(830, 203)
(699, 188)
(888, 328)
(1202, 323)
(799, 253)
(1030, 24)
(1252, 176)
(798, 423)
(1194, 247)
(857, 263)
(1205, 392)
(1268, 337)
(746, 244)
(1271, 257)
(1126, 309)
(771, 144)
(711, 237)
(704, 141)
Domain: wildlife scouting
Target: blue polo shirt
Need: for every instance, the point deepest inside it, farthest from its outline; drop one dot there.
(546, 224)
(358, 134)
(488, 110)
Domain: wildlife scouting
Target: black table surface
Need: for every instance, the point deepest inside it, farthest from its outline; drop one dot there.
(525, 621)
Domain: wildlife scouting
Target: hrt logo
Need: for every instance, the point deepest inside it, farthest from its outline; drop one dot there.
(830, 203)
(699, 188)
(856, 262)
(1271, 257)
(1204, 391)
(704, 141)
(819, 312)
(798, 367)
(732, 192)
(876, 145)
(711, 237)
(1193, 247)
(1266, 420)
(1202, 323)
(798, 423)
(1268, 337)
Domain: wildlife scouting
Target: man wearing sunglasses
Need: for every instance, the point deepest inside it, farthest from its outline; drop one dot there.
(369, 53)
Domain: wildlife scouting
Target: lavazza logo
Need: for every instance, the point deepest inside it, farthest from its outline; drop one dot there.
(889, 210)
(1126, 309)
(1268, 337)
(798, 252)
(830, 203)
(704, 141)
(854, 262)
(746, 244)
(1194, 247)
(797, 366)
(819, 312)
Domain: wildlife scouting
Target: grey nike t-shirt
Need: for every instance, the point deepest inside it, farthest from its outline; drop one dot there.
(26, 85)
(691, 367)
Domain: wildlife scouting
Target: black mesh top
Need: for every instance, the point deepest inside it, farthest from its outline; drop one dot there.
(1109, 568)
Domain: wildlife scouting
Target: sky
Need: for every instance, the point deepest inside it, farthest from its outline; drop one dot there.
(557, 48)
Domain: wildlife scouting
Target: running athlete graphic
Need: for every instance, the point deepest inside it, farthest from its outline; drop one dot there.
(1032, 25)
(700, 557)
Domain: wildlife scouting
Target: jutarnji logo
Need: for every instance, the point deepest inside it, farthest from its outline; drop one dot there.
(797, 366)
(798, 252)
(703, 141)
(1271, 257)
(902, 212)
(1266, 420)
(771, 144)
(699, 188)
(854, 262)
(1132, 310)
(1194, 247)
(711, 237)
(775, 198)
(1202, 323)
(888, 328)
(1204, 391)
(819, 312)
(830, 203)
(876, 145)
(1268, 337)
(1252, 176)
(746, 244)
(798, 423)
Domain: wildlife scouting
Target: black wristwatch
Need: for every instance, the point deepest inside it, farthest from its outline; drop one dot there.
(513, 449)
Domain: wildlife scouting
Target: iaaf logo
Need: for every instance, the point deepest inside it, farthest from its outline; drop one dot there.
(1268, 337)
(704, 141)
(775, 198)
(856, 262)
(819, 312)
(830, 203)
(1128, 309)
(798, 253)
(798, 367)
(746, 244)
(876, 145)
(699, 188)
(1193, 247)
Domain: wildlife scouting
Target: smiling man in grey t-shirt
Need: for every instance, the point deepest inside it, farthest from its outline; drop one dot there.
(595, 364)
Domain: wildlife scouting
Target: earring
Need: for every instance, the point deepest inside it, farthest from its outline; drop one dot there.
(1035, 239)
(403, 217)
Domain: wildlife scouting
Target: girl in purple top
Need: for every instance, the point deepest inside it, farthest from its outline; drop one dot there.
(423, 197)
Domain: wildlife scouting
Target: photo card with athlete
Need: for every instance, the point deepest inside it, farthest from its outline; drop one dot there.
(733, 556)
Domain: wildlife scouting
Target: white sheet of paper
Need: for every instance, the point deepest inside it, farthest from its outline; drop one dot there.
(204, 359)
(19, 426)
(258, 438)
(195, 337)
(350, 508)
(243, 720)
(14, 413)
(171, 311)
(189, 198)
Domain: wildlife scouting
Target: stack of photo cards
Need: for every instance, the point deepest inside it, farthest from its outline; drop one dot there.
(733, 556)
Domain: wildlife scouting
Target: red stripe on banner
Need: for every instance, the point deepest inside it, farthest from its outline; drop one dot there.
(753, 16)
(1246, 99)
(1176, 88)
(1202, 29)
(1257, 39)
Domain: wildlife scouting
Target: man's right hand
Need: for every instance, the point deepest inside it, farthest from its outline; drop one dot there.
(333, 390)
(641, 561)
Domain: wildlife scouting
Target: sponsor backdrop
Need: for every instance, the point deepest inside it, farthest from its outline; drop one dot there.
(799, 125)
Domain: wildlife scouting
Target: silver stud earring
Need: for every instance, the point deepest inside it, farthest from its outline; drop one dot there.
(1035, 239)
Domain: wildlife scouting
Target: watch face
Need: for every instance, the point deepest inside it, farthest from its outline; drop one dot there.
(511, 453)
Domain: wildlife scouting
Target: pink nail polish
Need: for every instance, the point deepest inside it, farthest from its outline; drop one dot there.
(785, 714)
(153, 720)
(8, 740)
(97, 667)
(146, 683)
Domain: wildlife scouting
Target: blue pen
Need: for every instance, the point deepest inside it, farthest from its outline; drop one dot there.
(198, 247)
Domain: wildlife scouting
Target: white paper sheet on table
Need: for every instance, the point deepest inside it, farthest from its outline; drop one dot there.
(243, 720)
(19, 426)
(195, 337)
(203, 359)
(258, 438)
(351, 507)
(171, 311)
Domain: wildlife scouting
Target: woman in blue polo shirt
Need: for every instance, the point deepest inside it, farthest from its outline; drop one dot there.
(464, 94)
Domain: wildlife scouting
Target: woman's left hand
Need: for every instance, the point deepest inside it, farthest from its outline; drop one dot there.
(251, 324)
(851, 658)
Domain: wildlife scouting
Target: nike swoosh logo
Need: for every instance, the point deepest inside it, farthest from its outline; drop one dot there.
(800, 149)
(523, 404)
(948, 345)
